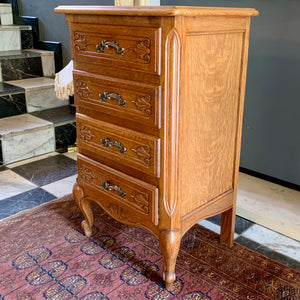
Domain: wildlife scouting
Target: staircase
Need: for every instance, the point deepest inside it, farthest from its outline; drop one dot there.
(32, 120)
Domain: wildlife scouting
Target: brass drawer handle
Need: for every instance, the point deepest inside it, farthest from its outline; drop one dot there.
(108, 187)
(108, 143)
(106, 96)
(105, 44)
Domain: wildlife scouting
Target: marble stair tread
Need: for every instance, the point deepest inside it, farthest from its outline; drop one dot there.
(21, 124)
(33, 83)
(15, 27)
(24, 53)
(8, 89)
(40, 93)
(58, 115)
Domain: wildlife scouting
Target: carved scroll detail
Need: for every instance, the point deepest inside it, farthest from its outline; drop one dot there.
(144, 154)
(172, 68)
(85, 132)
(141, 201)
(80, 41)
(117, 212)
(82, 89)
(142, 50)
(143, 104)
(86, 173)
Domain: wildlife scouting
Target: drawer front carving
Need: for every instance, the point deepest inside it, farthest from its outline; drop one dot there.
(136, 48)
(124, 197)
(128, 100)
(128, 147)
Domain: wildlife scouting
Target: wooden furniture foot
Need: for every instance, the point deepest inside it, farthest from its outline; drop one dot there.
(85, 207)
(227, 227)
(169, 241)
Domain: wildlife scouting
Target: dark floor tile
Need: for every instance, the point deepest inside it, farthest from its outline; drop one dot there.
(47, 170)
(15, 204)
(57, 115)
(241, 224)
(65, 135)
(3, 168)
(1, 155)
(285, 260)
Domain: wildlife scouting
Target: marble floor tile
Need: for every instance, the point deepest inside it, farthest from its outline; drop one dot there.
(213, 227)
(48, 170)
(274, 241)
(24, 201)
(288, 261)
(72, 155)
(270, 205)
(12, 184)
(32, 159)
(61, 187)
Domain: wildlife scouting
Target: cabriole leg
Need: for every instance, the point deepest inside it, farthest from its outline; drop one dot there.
(169, 241)
(84, 205)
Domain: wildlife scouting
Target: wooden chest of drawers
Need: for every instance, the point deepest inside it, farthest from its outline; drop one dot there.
(159, 94)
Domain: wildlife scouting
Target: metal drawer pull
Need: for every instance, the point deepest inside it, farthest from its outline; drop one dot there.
(108, 187)
(106, 96)
(108, 143)
(105, 44)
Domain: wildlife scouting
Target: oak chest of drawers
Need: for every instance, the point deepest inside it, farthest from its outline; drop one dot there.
(159, 94)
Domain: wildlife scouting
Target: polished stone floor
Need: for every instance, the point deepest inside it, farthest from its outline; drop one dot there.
(31, 182)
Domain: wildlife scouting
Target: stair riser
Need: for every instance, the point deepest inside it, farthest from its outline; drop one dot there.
(65, 135)
(6, 17)
(12, 40)
(26, 39)
(15, 69)
(12, 105)
(40, 99)
(27, 144)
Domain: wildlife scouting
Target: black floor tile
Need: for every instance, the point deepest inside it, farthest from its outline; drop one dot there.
(15, 204)
(241, 224)
(3, 168)
(285, 260)
(47, 170)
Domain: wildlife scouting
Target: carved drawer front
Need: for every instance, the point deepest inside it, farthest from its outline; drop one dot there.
(124, 197)
(128, 147)
(125, 99)
(126, 47)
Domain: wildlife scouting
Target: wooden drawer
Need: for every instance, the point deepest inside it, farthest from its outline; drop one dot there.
(127, 47)
(124, 197)
(128, 147)
(124, 99)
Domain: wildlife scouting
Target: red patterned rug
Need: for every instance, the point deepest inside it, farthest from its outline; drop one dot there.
(44, 255)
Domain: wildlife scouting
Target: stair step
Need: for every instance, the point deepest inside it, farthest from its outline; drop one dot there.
(25, 136)
(64, 124)
(40, 93)
(12, 100)
(10, 37)
(15, 65)
(6, 15)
